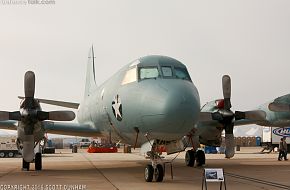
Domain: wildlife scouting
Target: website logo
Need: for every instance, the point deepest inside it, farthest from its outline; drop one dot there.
(283, 132)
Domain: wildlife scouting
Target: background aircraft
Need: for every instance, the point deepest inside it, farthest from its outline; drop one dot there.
(152, 101)
(274, 113)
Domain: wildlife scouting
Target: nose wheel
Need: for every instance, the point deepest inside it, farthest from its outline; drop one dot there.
(157, 173)
(149, 171)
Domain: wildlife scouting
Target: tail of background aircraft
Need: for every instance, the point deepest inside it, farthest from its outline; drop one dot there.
(90, 76)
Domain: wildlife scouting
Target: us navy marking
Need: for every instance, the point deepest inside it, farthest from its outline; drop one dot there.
(117, 107)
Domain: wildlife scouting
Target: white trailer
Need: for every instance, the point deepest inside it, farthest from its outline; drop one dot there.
(8, 147)
(272, 136)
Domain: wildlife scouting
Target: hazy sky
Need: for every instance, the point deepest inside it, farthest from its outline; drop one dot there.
(247, 39)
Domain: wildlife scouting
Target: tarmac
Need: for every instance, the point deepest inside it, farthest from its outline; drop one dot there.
(64, 170)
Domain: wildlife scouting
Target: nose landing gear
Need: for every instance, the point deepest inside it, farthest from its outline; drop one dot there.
(154, 170)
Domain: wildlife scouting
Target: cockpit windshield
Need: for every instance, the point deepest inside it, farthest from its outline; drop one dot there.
(166, 72)
(148, 72)
(182, 73)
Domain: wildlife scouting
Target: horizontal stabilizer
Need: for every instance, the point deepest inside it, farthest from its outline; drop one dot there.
(57, 103)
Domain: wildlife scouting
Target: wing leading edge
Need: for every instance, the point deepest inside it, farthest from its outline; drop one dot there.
(73, 129)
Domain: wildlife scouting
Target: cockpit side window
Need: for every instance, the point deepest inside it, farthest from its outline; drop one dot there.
(182, 73)
(148, 73)
(130, 76)
(167, 71)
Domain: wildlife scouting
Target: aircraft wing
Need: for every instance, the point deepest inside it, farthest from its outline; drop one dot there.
(236, 123)
(73, 129)
(61, 128)
(57, 103)
(248, 122)
(10, 125)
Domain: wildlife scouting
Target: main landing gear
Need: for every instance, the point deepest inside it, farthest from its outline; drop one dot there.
(37, 157)
(191, 157)
(154, 170)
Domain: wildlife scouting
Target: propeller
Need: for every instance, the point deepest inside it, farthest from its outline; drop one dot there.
(226, 116)
(30, 113)
(279, 107)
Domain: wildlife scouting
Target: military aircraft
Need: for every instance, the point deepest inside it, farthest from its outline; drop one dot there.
(150, 102)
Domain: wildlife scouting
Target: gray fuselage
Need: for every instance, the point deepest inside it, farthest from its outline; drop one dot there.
(153, 95)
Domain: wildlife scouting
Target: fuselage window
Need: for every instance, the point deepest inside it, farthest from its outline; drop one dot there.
(167, 71)
(149, 72)
(182, 73)
(130, 76)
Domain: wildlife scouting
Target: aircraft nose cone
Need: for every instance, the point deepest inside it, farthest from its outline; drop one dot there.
(182, 106)
(176, 112)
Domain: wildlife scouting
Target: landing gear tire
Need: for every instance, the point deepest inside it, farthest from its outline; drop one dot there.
(159, 173)
(2, 154)
(190, 158)
(38, 161)
(25, 165)
(10, 154)
(200, 158)
(148, 174)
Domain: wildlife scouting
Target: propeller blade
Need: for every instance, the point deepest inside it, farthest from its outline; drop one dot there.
(4, 115)
(15, 116)
(229, 128)
(252, 115)
(29, 84)
(229, 140)
(279, 107)
(56, 115)
(230, 145)
(226, 82)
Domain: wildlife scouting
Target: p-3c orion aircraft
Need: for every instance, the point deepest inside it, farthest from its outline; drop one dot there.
(150, 102)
